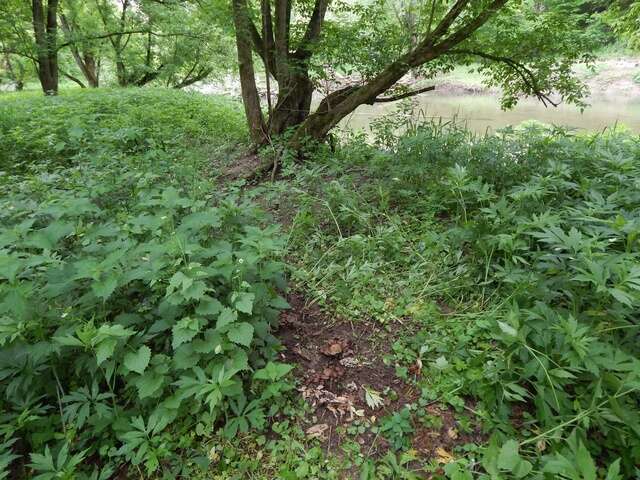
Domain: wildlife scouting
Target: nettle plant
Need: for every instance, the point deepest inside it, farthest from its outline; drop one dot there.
(133, 318)
(558, 236)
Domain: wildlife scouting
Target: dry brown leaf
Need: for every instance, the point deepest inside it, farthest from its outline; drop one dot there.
(443, 455)
(334, 347)
(317, 431)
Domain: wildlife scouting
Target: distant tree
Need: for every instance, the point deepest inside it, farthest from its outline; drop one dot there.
(170, 40)
(525, 52)
(624, 17)
(78, 23)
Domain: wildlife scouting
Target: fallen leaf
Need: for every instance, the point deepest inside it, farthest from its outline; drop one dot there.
(443, 455)
(334, 347)
(317, 431)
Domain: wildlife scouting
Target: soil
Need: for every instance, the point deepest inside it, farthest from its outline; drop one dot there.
(335, 360)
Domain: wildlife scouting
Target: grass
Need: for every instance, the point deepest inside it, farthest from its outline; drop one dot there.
(476, 295)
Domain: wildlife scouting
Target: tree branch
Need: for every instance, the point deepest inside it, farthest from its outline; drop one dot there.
(526, 75)
(313, 28)
(401, 96)
(73, 79)
(130, 32)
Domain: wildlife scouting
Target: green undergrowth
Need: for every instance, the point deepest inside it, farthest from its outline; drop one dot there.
(138, 297)
(136, 306)
(505, 268)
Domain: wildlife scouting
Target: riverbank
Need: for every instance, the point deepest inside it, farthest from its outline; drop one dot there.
(608, 77)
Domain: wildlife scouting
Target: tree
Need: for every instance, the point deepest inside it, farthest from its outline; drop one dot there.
(79, 24)
(45, 32)
(523, 51)
(624, 17)
(161, 40)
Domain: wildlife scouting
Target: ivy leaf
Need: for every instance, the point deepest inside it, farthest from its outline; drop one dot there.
(241, 333)
(244, 302)
(138, 361)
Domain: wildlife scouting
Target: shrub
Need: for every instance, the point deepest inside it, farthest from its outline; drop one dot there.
(533, 237)
(132, 310)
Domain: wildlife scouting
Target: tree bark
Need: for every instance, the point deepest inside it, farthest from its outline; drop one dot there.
(45, 31)
(250, 96)
(85, 60)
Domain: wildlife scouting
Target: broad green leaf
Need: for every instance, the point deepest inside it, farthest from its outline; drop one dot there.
(241, 333)
(105, 349)
(227, 316)
(244, 302)
(184, 331)
(104, 287)
(509, 458)
(208, 306)
(138, 361)
(272, 371)
(149, 383)
(585, 462)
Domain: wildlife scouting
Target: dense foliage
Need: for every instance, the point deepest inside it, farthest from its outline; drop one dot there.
(135, 316)
(516, 257)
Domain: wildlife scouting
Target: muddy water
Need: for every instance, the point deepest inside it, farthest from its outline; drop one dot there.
(481, 112)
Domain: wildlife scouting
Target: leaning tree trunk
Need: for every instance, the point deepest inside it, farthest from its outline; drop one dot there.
(85, 60)
(45, 31)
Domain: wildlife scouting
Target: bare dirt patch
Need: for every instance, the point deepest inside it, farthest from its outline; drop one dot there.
(336, 360)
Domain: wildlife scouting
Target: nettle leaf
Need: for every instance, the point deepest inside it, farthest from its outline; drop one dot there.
(241, 333)
(273, 371)
(149, 383)
(10, 266)
(226, 317)
(244, 302)
(138, 361)
(509, 459)
(104, 287)
(105, 349)
(184, 331)
(280, 303)
(47, 238)
(208, 306)
(197, 220)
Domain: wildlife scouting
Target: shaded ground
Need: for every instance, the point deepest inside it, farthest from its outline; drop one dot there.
(337, 362)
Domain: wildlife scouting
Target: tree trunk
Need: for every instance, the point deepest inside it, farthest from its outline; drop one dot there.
(85, 61)
(250, 97)
(294, 104)
(45, 31)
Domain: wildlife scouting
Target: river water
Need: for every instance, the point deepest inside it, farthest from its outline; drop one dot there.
(481, 113)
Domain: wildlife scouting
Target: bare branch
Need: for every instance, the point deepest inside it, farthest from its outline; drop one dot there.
(401, 96)
(527, 76)
(130, 32)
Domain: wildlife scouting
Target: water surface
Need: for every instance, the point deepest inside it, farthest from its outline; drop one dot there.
(481, 113)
